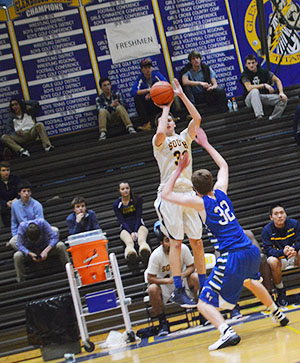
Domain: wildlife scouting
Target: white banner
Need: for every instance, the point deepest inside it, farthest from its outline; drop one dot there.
(133, 39)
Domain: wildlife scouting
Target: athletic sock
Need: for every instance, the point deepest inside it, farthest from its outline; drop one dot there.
(279, 286)
(272, 307)
(177, 281)
(201, 278)
(223, 327)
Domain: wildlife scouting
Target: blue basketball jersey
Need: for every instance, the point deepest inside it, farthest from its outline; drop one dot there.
(223, 224)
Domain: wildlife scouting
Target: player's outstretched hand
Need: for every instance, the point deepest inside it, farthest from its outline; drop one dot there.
(201, 137)
(183, 161)
(177, 88)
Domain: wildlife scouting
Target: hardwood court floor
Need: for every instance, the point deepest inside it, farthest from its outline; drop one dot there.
(263, 341)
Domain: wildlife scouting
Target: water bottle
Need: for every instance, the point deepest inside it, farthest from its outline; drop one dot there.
(229, 105)
(107, 272)
(234, 104)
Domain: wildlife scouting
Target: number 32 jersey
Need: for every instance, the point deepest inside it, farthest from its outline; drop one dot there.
(223, 224)
(167, 156)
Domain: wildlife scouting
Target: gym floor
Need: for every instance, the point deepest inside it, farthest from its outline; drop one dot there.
(262, 340)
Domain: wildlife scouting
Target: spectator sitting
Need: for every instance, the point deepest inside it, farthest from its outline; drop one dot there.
(281, 242)
(24, 209)
(258, 90)
(160, 278)
(21, 128)
(140, 90)
(8, 191)
(110, 106)
(200, 84)
(128, 210)
(36, 240)
(81, 219)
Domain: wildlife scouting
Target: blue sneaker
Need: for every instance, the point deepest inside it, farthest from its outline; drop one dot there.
(180, 297)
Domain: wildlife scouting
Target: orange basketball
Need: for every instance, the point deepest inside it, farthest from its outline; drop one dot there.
(162, 93)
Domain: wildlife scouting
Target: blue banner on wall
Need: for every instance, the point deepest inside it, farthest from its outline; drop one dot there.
(10, 86)
(204, 26)
(56, 51)
(284, 43)
(118, 13)
(57, 66)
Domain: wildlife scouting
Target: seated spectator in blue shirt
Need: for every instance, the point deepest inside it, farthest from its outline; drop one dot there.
(140, 90)
(200, 84)
(81, 219)
(24, 209)
(8, 191)
(281, 242)
(128, 209)
(36, 241)
(111, 106)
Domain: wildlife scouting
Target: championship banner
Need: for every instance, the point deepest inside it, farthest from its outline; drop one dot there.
(204, 26)
(56, 51)
(57, 68)
(10, 86)
(103, 15)
(132, 39)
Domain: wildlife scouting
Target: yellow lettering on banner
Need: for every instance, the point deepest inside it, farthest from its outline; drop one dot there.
(250, 23)
(23, 5)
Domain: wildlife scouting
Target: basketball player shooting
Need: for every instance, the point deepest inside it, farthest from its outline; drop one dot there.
(168, 147)
(238, 264)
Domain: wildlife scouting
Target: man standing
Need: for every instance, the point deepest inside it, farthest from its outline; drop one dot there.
(111, 106)
(200, 84)
(239, 261)
(159, 276)
(258, 90)
(21, 128)
(140, 90)
(175, 220)
(8, 191)
(281, 242)
(36, 241)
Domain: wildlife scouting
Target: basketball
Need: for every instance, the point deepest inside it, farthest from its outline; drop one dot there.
(162, 93)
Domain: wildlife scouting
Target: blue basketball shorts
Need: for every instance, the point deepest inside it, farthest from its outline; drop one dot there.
(223, 287)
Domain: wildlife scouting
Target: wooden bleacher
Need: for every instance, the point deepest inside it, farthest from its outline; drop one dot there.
(264, 167)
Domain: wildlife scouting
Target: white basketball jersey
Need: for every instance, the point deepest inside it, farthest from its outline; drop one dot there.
(159, 263)
(167, 156)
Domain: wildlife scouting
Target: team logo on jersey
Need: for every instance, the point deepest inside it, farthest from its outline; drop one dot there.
(283, 30)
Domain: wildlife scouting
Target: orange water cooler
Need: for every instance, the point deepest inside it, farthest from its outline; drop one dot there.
(89, 254)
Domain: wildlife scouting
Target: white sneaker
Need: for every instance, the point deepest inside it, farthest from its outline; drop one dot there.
(279, 317)
(131, 130)
(49, 148)
(24, 152)
(102, 136)
(227, 339)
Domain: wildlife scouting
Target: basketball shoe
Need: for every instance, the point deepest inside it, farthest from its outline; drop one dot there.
(180, 297)
(280, 317)
(227, 339)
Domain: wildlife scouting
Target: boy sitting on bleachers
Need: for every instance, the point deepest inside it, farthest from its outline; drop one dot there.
(81, 219)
